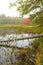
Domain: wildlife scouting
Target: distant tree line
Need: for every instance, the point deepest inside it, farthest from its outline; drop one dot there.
(10, 20)
(15, 20)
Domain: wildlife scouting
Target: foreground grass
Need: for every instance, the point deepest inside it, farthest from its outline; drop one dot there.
(20, 29)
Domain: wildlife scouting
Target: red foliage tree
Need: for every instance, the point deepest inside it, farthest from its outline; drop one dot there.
(26, 21)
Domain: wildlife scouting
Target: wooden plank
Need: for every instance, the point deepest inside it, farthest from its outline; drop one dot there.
(38, 36)
(9, 46)
(16, 39)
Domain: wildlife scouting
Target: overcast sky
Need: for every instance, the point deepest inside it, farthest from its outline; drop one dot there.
(4, 8)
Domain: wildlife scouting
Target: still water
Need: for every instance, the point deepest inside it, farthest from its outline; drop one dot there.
(5, 53)
(19, 43)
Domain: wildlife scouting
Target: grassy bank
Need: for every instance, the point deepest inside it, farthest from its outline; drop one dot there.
(20, 29)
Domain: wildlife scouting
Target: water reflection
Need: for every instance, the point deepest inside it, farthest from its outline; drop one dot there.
(20, 43)
(7, 55)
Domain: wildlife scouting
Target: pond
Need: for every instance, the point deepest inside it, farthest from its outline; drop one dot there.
(7, 55)
(18, 43)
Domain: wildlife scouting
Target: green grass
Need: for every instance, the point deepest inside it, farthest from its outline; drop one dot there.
(20, 29)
